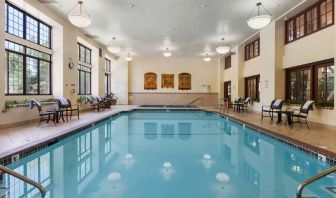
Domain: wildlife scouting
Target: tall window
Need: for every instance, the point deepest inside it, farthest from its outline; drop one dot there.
(107, 76)
(227, 90)
(23, 25)
(84, 79)
(314, 81)
(252, 87)
(313, 19)
(252, 50)
(28, 71)
(84, 54)
(84, 70)
(227, 62)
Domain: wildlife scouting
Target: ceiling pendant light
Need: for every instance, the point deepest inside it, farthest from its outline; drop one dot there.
(113, 48)
(259, 21)
(223, 49)
(207, 58)
(167, 53)
(128, 58)
(79, 17)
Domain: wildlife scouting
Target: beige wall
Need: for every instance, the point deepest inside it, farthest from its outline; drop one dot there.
(119, 80)
(274, 58)
(203, 73)
(64, 47)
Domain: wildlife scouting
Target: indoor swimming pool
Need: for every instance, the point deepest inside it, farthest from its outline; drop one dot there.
(169, 154)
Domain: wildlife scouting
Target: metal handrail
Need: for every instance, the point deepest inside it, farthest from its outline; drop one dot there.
(25, 179)
(313, 179)
(225, 101)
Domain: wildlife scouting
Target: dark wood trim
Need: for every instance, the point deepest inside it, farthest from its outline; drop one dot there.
(227, 62)
(252, 44)
(312, 67)
(304, 12)
(226, 95)
(257, 78)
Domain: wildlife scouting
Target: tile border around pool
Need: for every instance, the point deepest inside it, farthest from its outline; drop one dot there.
(308, 149)
(28, 149)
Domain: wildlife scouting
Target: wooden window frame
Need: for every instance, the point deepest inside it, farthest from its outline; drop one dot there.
(313, 76)
(226, 83)
(257, 77)
(227, 62)
(248, 50)
(25, 14)
(304, 12)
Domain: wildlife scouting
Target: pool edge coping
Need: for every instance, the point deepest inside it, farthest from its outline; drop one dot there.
(35, 146)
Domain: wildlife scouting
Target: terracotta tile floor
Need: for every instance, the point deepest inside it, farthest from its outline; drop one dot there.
(24, 136)
(321, 137)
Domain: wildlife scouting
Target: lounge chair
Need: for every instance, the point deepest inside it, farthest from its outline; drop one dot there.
(66, 106)
(236, 103)
(298, 114)
(246, 102)
(96, 103)
(44, 116)
(275, 107)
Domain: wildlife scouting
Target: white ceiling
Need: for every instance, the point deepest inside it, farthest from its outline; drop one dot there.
(187, 27)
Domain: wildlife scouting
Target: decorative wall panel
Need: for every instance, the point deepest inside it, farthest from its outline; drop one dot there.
(184, 81)
(150, 81)
(167, 81)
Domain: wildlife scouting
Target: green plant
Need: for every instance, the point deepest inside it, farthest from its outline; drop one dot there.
(324, 104)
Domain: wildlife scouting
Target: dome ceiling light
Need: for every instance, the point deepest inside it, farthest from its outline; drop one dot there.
(167, 53)
(222, 49)
(78, 16)
(113, 48)
(258, 21)
(128, 58)
(207, 58)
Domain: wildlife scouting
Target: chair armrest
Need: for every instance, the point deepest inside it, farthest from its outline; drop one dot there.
(265, 106)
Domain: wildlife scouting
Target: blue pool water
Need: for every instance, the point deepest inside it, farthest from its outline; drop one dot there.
(92, 163)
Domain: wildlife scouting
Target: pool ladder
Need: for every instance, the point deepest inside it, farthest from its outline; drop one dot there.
(4, 169)
(221, 104)
(312, 180)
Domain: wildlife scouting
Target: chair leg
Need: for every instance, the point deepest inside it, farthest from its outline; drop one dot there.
(48, 119)
(307, 124)
(78, 114)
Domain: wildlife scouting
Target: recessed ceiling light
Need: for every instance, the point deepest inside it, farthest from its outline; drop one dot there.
(204, 5)
(132, 6)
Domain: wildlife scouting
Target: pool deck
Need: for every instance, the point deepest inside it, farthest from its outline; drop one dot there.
(22, 137)
(321, 138)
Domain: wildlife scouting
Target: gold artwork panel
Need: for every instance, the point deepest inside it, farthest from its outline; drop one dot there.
(150, 81)
(167, 80)
(184, 81)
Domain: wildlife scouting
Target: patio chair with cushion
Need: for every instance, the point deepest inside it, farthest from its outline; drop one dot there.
(236, 103)
(65, 105)
(44, 116)
(96, 103)
(298, 115)
(275, 107)
(245, 103)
